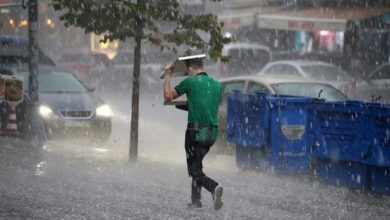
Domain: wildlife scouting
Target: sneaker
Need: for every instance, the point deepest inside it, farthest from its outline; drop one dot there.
(194, 205)
(217, 197)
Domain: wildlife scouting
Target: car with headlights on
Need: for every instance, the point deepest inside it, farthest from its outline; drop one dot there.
(67, 107)
(279, 85)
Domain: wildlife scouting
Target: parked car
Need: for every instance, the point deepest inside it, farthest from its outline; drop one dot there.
(312, 69)
(15, 51)
(89, 67)
(244, 59)
(376, 87)
(67, 107)
(293, 86)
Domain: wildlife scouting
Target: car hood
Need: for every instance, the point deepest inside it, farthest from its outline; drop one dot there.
(70, 101)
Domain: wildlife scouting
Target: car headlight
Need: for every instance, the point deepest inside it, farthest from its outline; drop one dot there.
(104, 111)
(45, 111)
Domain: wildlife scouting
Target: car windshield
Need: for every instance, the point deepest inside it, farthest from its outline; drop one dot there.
(313, 90)
(321, 72)
(55, 82)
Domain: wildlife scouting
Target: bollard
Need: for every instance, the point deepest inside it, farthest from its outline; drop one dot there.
(12, 123)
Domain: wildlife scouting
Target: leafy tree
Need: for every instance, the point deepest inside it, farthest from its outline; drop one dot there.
(159, 22)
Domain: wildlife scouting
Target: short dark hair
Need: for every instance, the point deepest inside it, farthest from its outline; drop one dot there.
(194, 63)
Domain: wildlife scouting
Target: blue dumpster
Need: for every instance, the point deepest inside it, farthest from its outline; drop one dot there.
(337, 143)
(234, 101)
(349, 141)
(377, 137)
(289, 149)
(336, 129)
(380, 179)
(342, 173)
(275, 125)
(247, 119)
(377, 134)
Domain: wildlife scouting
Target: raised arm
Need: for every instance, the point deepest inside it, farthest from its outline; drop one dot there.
(169, 94)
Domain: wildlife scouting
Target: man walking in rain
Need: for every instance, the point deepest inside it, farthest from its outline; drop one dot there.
(203, 97)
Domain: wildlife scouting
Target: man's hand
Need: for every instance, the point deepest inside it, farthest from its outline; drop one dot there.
(168, 69)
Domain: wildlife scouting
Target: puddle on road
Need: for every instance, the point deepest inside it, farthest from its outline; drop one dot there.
(41, 169)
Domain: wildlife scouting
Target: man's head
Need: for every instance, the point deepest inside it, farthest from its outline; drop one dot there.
(194, 66)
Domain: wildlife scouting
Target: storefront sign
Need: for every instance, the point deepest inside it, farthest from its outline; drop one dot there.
(299, 23)
(236, 21)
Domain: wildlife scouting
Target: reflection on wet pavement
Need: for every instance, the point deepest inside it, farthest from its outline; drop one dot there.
(41, 169)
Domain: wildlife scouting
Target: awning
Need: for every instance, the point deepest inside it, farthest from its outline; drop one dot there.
(236, 19)
(314, 19)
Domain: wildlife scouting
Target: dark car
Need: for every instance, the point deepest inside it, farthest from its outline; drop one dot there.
(15, 51)
(67, 107)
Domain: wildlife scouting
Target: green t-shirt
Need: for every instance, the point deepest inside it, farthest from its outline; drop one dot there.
(203, 97)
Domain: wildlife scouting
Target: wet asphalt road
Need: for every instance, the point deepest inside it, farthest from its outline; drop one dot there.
(74, 179)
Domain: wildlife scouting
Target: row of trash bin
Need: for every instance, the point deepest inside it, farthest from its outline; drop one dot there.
(346, 143)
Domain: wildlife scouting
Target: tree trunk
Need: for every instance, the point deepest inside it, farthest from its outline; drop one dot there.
(33, 127)
(33, 50)
(133, 148)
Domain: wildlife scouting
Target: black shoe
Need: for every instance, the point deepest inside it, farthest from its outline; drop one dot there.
(217, 197)
(194, 205)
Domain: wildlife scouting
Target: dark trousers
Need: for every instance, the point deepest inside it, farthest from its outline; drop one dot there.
(195, 151)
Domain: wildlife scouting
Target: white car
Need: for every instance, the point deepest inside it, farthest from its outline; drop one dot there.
(376, 87)
(312, 69)
(284, 85)
(244, 59)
